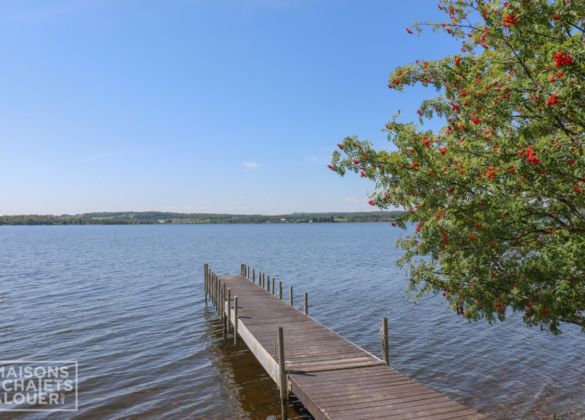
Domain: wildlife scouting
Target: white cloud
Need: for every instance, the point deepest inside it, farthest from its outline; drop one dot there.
(249, 166)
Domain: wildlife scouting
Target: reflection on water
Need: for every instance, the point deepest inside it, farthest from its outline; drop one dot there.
(127, 303)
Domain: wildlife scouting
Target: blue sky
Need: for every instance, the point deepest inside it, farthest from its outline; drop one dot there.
(197, 105)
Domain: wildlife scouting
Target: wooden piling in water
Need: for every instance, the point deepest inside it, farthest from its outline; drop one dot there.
(254, 276)
(280, 290)
(290, 296)
(272, 285)
(205, 267)
(229, 308)
(235, 320)
(219, 299)
(217, 287)
(214, 289)
(385, 340)
(306, 303)
(282, 375)
(223, 298)
(223, 316)
(209, 284)
(219, 284)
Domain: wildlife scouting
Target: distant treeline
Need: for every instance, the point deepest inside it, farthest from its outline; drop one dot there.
(155, 217)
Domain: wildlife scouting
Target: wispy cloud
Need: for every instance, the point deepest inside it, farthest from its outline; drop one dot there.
(351, 200)
(250, 166)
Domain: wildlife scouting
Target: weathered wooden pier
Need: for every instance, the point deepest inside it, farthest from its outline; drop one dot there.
(332, 377)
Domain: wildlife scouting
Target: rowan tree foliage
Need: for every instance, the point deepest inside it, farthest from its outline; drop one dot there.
(498, 193)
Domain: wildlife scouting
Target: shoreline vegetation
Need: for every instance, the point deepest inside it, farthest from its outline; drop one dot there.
(155, 217)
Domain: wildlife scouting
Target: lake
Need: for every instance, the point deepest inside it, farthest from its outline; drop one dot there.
(127, 303)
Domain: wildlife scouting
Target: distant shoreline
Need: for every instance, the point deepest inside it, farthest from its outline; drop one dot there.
(161, 218)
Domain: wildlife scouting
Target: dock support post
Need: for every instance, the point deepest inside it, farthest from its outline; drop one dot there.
(223, 317)
(205, 267)
(282, 374)
(280, 290)
(254, 275)
(215, 291)
(290, 296)
(219, 298)
(209, 283)
(248, 272)
(223, 296)
(212, 287)
(272, 287)
(385, 340)
(235, 320)
(306, 304)
(229, 308)
(268, 284)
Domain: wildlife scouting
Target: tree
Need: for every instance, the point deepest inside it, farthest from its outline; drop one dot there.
(498, 193)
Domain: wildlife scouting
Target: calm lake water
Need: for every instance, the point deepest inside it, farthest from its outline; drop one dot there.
(127, 303)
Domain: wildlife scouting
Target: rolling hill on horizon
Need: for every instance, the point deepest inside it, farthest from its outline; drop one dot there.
(156, 217)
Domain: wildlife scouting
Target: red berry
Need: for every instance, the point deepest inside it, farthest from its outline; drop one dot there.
(552, 99)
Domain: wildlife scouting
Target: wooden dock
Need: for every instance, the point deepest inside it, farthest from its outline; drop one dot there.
(332, 377)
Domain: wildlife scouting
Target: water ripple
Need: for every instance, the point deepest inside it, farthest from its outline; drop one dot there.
(126, 302)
